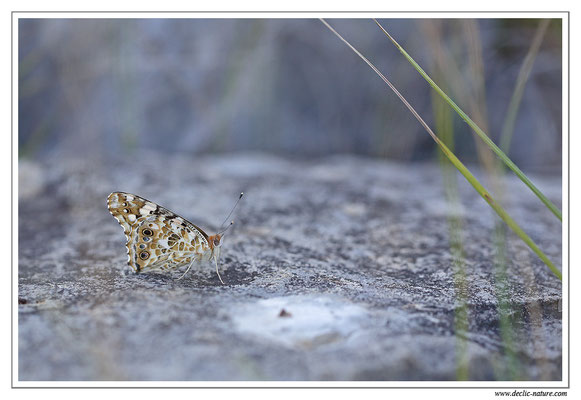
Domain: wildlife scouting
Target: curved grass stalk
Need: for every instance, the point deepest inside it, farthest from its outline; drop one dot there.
(477, 129)
(458, 164)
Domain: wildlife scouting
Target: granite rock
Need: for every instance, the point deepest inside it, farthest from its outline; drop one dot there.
(335, 269)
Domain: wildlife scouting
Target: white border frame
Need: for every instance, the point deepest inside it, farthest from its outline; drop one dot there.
(532, 385)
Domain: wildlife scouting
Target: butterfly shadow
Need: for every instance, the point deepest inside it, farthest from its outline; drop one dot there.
(234, 275)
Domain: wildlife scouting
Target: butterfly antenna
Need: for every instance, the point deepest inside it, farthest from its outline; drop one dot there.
(225, 229)
(228, 217)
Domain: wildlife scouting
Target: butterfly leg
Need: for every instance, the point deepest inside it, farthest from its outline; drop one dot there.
(187, 270)
(217, 271)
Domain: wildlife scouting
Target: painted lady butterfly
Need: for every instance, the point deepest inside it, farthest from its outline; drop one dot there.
(158, 239)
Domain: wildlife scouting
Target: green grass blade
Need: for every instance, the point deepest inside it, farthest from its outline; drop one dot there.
(498, 208)
(458, 164)
(477, 129)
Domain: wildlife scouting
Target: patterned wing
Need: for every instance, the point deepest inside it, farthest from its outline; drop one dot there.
(157, 239)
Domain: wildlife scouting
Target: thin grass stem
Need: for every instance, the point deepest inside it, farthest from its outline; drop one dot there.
(458, 164)
(443, 118)
(477, 129)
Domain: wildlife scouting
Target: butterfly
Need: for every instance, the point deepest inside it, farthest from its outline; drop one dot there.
(160, 240)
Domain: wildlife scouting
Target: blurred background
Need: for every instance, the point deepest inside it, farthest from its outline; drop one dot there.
(107, 88)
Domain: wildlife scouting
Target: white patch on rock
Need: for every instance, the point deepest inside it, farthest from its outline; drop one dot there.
(354, 209)
(313, 320)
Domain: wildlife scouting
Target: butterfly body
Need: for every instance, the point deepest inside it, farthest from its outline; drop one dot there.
(158, 239)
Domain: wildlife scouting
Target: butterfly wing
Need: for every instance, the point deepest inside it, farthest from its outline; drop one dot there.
(161, 243)
(157, 239)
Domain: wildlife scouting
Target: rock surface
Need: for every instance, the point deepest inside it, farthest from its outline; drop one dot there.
(338, 269)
